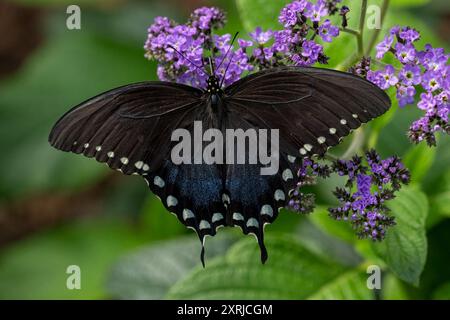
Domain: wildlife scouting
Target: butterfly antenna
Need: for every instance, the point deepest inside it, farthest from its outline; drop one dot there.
(228, 51)
(190, 61)
(211, 66)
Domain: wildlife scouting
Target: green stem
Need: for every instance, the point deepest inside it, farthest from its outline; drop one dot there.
(357, 143)
(351, 31)
(374, 37)
(362, 20)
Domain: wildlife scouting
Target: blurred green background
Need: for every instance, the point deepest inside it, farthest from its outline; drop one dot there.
(59, 209)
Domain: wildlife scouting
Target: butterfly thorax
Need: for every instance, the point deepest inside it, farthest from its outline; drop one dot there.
(214, 90)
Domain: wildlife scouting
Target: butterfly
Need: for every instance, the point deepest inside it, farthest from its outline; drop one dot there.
(130, 128)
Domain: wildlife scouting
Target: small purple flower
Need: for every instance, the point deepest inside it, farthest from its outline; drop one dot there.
(222, 42)
(405, 95)
(384, 46)
(282, 40)
(327, 31)
(207, 18)
(410, 75)
(289, 14)
(244, 43)
(384, 78)
(261, 37)
(395, 30)
(431, 80)
(427, 101)
(406, 53)
(409, 34)
(317, 11)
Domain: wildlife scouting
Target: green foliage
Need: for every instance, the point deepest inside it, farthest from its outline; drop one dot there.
(419, 160)
(405, 247)
(409, 3)
(347, 286)
(340, 229)
(443, 292)
(260, 13)
(292, 272)
(36, 268)
(150, 272)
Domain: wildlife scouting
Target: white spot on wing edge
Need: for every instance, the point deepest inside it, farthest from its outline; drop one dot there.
(291, 159)
(287, 174)
(321, 140)
(332, 130)
(139, 165)
(124, 160)
(237, 216)
(217, 216)
(110, 154)
(171, 201)
(279, 195)
(267, 210)
(158, 181)
(343, 121)
(204, 225)
(307, 147)
(252, 222)
(187, 214)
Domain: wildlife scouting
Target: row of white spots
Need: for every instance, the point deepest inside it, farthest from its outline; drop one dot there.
(124, 160)
(321, 140)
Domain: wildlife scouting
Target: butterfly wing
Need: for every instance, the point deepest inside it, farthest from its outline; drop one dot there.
(313, 108)
(130, 127)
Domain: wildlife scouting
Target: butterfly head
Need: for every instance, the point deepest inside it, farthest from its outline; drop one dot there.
(213, 86)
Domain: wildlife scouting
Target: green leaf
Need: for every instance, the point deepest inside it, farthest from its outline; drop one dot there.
(291, 272)
(409, 3)
(348, 286)
(405, 248)
(419, 160)
(35, 268)
(441, 203)
(260, 13)
(340, 229)
(443, 292)
(393, 289)
(150, 272)
(325, 245)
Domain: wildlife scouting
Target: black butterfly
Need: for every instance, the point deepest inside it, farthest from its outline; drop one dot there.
(130, 129)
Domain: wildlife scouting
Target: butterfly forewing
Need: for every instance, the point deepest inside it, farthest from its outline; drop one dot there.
(313, 108)
(129, 128)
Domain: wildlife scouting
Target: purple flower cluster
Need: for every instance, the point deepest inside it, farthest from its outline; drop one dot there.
(182, 50)
(375, 184)
(307, 173)
(302, 22)
(425, 70)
